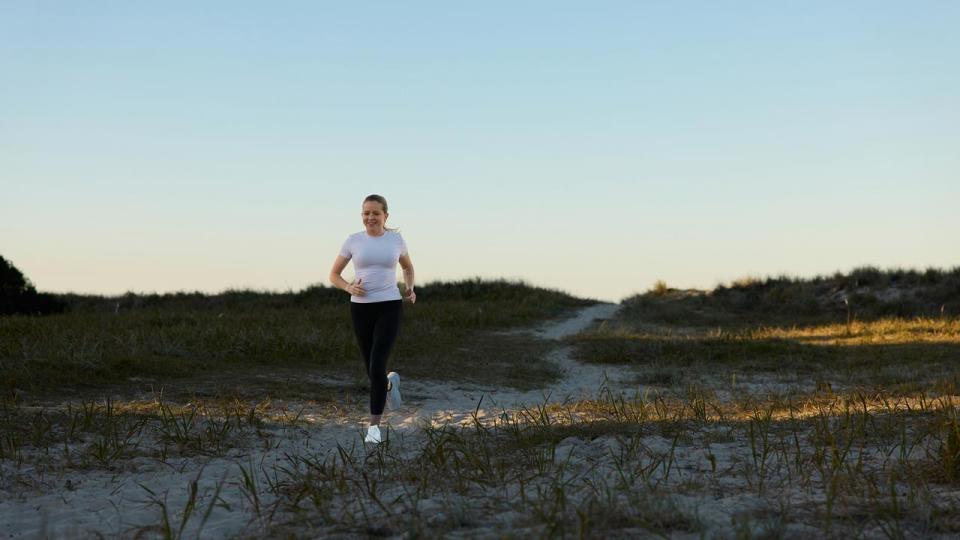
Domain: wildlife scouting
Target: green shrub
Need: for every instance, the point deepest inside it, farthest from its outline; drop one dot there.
(18, 295)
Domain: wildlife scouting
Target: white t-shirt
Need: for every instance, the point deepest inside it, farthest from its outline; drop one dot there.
(375, 262)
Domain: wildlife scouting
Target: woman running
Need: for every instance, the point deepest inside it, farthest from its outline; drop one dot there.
(375, 301)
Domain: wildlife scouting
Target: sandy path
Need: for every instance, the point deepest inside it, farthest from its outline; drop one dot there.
(456, 403)
(49, 499)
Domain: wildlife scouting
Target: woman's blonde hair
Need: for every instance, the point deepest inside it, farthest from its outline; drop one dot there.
(383, 202)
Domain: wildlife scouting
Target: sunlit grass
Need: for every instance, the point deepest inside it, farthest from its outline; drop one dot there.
(887, 331)
(904, 355)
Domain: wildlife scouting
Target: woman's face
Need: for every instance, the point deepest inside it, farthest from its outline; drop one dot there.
(374, 218)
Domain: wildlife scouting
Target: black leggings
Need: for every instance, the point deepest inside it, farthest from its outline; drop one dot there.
(377, 325)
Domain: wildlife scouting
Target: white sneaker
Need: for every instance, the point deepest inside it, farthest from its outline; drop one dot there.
(394, 401)
(373, 435)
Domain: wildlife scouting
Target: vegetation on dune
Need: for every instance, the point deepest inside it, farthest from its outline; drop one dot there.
(524, 295)
(870, 327)
(836, 396)
(865, 293)
(110, 339)
(900, 356)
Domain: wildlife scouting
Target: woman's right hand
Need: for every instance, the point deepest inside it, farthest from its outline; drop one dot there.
(356, 288)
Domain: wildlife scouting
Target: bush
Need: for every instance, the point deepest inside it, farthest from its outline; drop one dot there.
(784, 299)
(868, 276)
(660, 288)
(19, 296)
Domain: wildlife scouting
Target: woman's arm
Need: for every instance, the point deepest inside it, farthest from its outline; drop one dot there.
(337, 280)
(407, 266)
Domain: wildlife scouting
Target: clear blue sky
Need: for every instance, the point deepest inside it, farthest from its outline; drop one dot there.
(590, 146)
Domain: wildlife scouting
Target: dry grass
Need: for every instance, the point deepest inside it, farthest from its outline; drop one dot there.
(657, 463)
(811, 428)
(826, 427)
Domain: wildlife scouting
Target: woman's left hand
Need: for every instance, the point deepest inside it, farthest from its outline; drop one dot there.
(411, 296)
